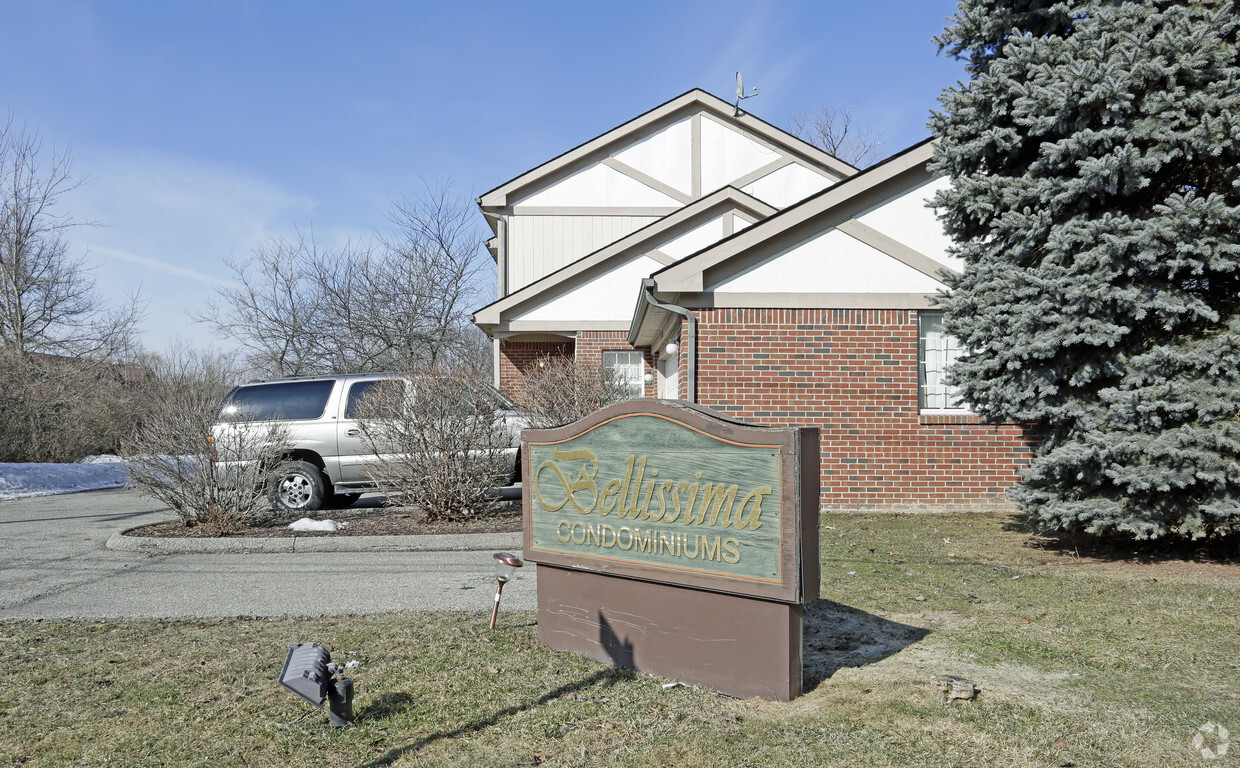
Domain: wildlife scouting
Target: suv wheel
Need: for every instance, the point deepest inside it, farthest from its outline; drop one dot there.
(297, 486)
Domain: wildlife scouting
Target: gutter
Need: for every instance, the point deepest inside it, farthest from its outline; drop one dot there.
(647, 298)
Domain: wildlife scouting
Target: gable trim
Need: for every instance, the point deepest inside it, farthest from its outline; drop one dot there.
(763, 172)
(695, 149)
(650, 181)
(895, 249)
(556, 210)
(660, 257)
(598, 146)
(757, 300)
(840, 202)
(490, 317)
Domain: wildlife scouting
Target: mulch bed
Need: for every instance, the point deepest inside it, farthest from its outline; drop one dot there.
(368, 519)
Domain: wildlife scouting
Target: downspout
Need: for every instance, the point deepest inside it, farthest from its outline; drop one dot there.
(501, 271)
(691, 354)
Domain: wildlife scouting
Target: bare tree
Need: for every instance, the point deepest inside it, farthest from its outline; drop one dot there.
(439, 438)
(67, 391)
(560, 390)
(834, 130)
(274, 310)
(397, 304)
(48, 301)
(436, 249)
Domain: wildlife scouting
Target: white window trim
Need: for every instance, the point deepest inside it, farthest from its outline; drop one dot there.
(627, 367)
(949, 355)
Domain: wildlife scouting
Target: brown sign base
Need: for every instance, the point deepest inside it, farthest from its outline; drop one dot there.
(740, 646)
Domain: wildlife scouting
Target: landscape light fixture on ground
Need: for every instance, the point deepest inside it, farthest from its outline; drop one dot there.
(506, 565)
(309, 673)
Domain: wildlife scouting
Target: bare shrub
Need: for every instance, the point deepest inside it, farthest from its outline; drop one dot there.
(58, 409)
(217, 484)
(440, 437)
(560, 390)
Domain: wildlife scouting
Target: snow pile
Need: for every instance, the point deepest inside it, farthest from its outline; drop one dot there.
(91, 474)
(306, 524)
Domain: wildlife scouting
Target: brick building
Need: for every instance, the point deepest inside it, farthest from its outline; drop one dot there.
(709, 256)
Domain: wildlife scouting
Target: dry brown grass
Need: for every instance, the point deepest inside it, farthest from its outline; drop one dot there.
(1080, 661)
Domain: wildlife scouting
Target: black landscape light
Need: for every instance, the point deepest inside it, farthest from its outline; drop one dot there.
(506, 565)
(309, 673)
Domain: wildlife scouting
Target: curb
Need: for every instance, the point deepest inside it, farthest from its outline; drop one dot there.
(439, 542)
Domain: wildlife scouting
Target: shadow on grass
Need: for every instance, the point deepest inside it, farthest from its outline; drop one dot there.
(608, 677)
(386, 705)
(837, 636)
(1220, 551)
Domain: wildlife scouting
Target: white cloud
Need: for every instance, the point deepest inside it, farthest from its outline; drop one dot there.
(171, 269)
(169, 222)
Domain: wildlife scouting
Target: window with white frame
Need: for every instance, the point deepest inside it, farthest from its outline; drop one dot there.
(629, 368)
(937, 350)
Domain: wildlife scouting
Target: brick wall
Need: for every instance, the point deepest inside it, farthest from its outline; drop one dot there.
(516, 357)
(853, 373)
(592, 344)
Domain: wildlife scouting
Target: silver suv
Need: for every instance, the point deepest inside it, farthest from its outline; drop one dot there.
(325, 465)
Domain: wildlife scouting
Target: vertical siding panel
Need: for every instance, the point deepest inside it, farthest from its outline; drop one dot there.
(531, 246)
(539, 245)
(515, 251)
(555, 254)
(581, 238)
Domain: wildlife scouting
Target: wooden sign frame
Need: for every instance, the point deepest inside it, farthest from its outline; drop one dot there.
(796, 578)
(731, 624)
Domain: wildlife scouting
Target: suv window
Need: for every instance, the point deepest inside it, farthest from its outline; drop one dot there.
(283, 400)
(358, 391)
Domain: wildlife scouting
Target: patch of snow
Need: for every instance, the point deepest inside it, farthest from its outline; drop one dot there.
(103, 458)
(306, 524)
(19, 481)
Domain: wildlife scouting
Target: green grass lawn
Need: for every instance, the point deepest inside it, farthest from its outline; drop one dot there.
(1080, 661)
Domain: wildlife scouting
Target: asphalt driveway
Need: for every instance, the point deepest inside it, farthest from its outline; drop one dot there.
(55, 563)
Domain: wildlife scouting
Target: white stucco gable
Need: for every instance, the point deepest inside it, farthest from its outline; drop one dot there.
(830, 262)
(870, 241)
(645, 169)
(663, 156)
(908, 219)
(602, 299)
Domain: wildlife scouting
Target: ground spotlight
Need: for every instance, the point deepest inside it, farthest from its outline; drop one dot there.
(309, 673)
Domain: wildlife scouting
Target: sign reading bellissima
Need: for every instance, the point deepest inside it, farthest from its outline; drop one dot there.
(671, 493)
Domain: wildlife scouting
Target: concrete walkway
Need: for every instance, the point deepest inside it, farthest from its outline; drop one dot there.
(63, 557)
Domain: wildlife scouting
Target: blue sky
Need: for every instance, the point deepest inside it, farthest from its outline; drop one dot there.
(204, 128)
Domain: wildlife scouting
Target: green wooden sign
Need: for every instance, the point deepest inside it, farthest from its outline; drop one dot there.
(668, 492)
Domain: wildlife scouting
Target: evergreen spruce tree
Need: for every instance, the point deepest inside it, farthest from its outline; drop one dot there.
(1094, 155)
